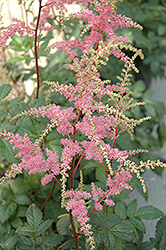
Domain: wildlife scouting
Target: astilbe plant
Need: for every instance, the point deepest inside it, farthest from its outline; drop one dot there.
(97, 111)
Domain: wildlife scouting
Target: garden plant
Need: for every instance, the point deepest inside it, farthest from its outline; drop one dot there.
(68, 170)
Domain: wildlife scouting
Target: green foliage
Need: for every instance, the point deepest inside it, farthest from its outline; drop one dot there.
(152, 16)
(33, 235)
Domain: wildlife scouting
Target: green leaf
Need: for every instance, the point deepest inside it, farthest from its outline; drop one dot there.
(5, 90)
(148, 245)
(137, 184)
(161, 132)
(148, 213)
(17, 40)
(22, 200)
(63, 225)
(109, 240)
(26, 243)
(9, 243)
(139, 86)
(69, 244)
(26, 231)
(54, 142)
(160, 228)
(150, 110)
(100, 174)
(3, 112)
(21, 211)
(161, 29)
(98, 236)
(124, 230)
(6, 211)
(53, 209)
(120, 210)
(39, 241)
(120, 243)
(34, 216)
(7, 151)
(33, 180)
(18, 188)
(53, 240)
(15, 59)
(131, 208)
(44, 226)
(138, 224)
(16, 223)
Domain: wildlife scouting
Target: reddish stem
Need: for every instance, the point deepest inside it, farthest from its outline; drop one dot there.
(74, 231)
(56, 180)
(36, 45)
(104, 167)
(6, 109)
(78, 163)
(99, 202)
(49, 196)
(76, 236)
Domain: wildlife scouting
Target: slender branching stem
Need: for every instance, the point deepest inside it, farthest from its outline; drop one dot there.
(76, 236)
(49, 196)
(74, 231)
(7, 110)
(36, 45)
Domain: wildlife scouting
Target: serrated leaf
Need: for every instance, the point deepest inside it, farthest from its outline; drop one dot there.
(6, 211)
(69, 244)
(16, 223)
(3, 112)
(109, 240)
(21, 211)
(26, 243)
(112, 220)
(5, 89)
(53, 209)
(9, 243)
(39, 240)
(148, 213)
(33, 180)
(138, 224)
(98, 236)
(160, 227)
(131, 208)
(63, 225)
(7, 151)
(120, 243)
(124, 230)
(44, 226)
(163, 241)
(25, 231)
(120, 210)
(98, 220)
(18, 188)
(53, 240)
(22, 200)
(34, 216)
(148, 245)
